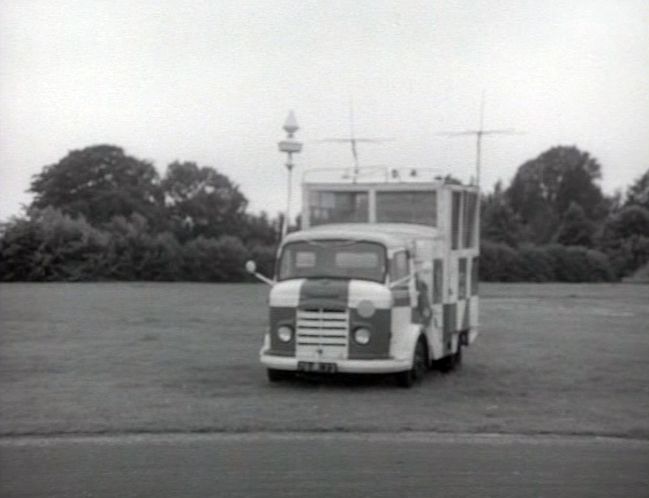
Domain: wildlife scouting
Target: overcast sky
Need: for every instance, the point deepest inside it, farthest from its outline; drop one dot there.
(212, 82)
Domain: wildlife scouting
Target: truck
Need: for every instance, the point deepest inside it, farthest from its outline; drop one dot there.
(382, 278)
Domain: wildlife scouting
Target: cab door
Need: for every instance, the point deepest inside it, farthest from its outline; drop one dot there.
(402, 295)
(438, 297)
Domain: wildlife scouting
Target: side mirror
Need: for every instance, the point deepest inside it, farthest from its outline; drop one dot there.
(251, 267)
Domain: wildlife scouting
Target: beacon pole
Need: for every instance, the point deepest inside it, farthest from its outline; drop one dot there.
(290, 146)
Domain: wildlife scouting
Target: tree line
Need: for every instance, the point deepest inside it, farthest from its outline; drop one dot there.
(101, 214)
(554, 223)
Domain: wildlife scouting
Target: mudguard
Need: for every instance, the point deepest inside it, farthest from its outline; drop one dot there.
(403, 343)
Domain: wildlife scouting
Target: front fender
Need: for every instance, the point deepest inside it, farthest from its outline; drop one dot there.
(404, 342)
(266, 345)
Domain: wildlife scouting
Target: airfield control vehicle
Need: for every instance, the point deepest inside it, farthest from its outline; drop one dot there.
(383, 278)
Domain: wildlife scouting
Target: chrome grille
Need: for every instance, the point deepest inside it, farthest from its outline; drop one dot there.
(322, 333)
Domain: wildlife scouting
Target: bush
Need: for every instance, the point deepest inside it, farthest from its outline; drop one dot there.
(20, 242)
(537, 265)
(51, 246)
(214, 260)
(641, 276)
(552, 263)
(625, 239)
(134, 253)
(601, 267)
(127, 248)
(499, 263)
(264, 256)
(569, 266)
(579, 264)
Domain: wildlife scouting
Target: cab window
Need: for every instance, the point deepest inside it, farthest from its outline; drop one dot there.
(399, 266)
(347, 259)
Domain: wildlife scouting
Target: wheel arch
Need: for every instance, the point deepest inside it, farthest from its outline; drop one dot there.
(406, 346)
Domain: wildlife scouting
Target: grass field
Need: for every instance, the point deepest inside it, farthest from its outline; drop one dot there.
(91, 358)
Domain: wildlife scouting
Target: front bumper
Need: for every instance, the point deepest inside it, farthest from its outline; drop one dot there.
(343, 366)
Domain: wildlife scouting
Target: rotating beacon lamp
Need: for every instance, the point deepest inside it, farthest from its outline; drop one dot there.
(290, 146)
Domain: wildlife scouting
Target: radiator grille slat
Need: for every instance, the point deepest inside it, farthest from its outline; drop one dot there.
(322, 334)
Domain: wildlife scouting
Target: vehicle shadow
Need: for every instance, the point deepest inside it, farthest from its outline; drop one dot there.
(346, 381)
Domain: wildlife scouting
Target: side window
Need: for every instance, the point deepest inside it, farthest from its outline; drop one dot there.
(469, 222)
(475, 276)
(399, 266)
(338, 207)
(286, 263)
(438, 281)
(461, 286)
(456, 205)
(407, 207)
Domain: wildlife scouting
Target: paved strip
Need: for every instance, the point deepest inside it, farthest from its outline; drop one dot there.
(330, 464)
(183, 437)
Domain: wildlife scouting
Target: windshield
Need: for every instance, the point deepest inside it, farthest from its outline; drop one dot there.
(333, 259)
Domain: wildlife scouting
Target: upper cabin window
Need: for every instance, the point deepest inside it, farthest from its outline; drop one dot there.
(456, 205)
(462, 275)
(475, 275)
(418, 207)
(470, 216)
(338, 207)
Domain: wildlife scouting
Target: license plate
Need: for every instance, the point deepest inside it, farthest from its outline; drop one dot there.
(310, 366)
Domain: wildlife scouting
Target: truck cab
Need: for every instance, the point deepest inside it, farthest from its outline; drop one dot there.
(382, 279)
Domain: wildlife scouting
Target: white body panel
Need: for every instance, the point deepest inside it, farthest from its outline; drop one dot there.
(368, 291)
(345, 366)
(286, 294)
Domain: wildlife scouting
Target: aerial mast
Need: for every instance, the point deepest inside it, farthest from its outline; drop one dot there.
(353, 141)
(479, 133)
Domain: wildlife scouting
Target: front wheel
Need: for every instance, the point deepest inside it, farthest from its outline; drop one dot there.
(419, 365)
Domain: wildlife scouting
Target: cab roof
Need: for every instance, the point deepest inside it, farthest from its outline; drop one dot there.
(391, 235)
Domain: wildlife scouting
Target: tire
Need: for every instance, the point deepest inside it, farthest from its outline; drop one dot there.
(458, 357)
(451, 362)
(410, 377)
(275, 375)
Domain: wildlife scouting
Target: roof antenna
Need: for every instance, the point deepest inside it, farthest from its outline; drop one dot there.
(479, 133)
(352, 140)
(352, 136)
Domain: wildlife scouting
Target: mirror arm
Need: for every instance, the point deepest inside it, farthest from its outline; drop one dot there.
(264, 279)
(401, 281)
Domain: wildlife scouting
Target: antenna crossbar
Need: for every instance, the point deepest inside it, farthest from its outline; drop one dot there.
(479, 133)
(353, 141)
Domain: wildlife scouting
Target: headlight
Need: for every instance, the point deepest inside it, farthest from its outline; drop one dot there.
(285, 333)
(362, 336)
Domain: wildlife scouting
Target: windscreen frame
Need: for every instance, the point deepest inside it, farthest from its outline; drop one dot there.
(383, 252)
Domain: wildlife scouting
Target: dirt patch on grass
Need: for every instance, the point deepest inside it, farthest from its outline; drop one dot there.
(88, 358)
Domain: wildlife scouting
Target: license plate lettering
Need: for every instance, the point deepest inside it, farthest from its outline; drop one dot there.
(317, 367)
